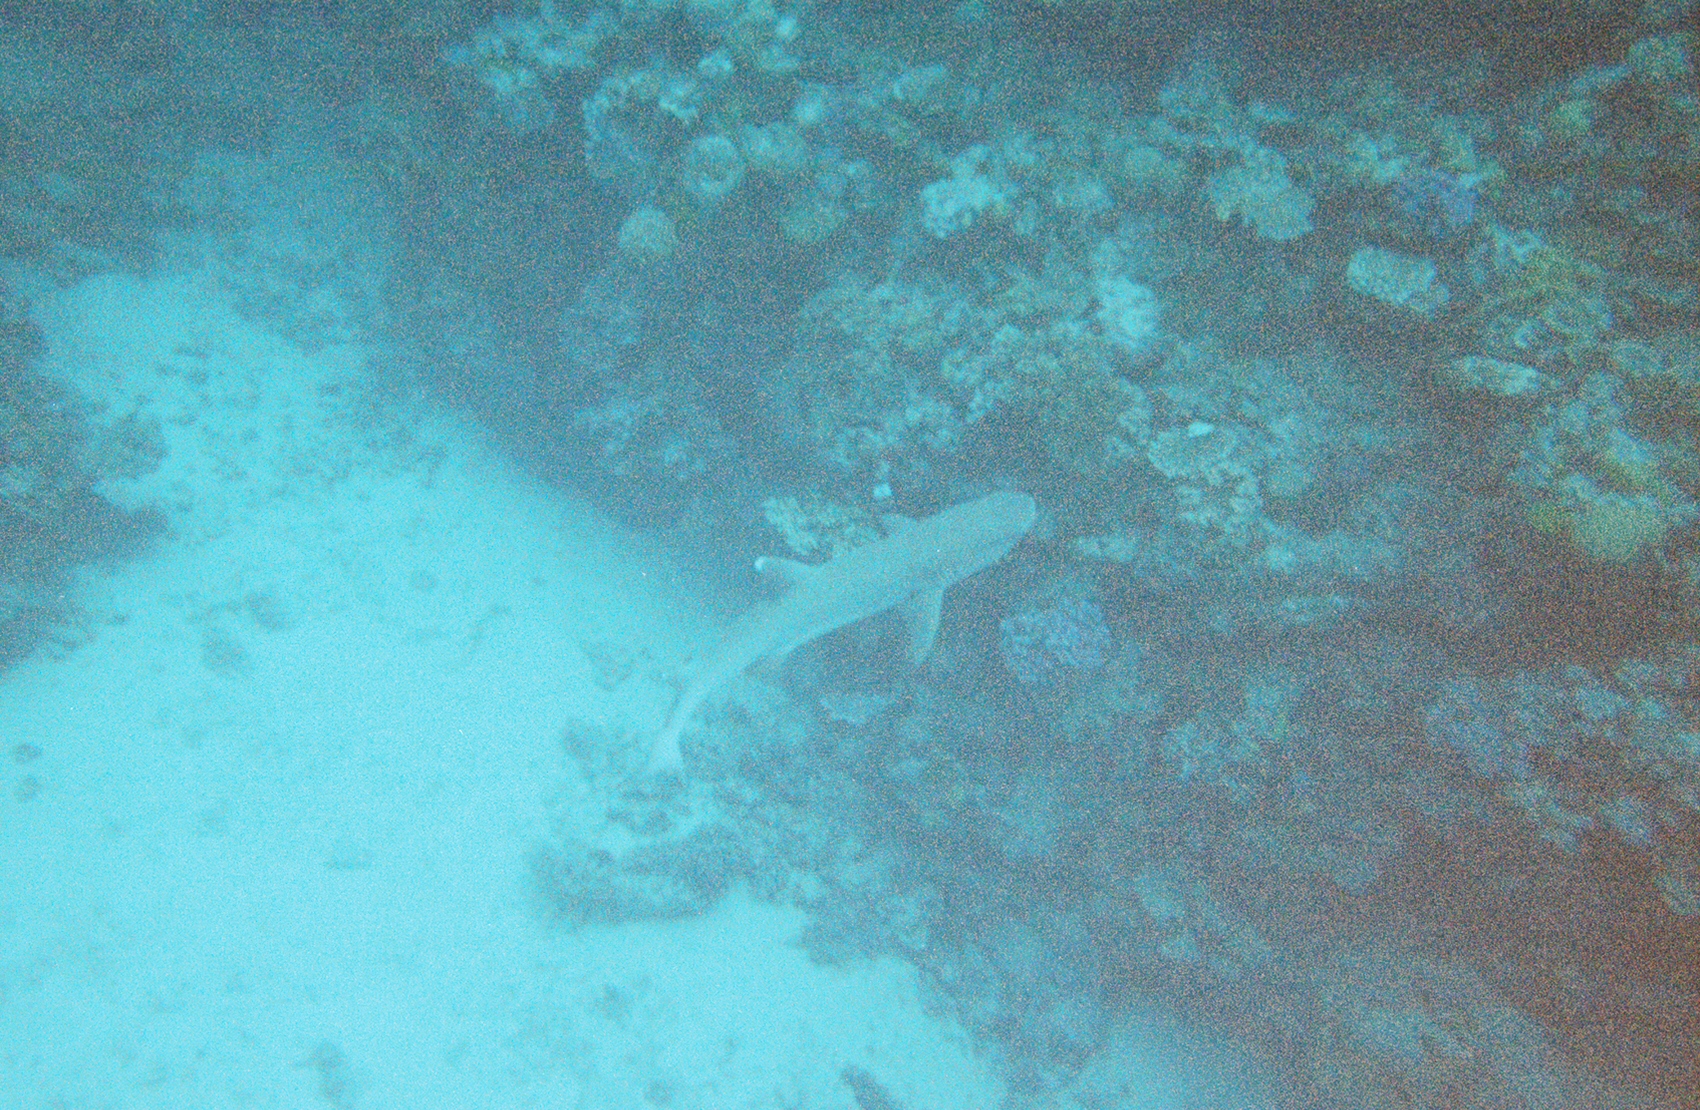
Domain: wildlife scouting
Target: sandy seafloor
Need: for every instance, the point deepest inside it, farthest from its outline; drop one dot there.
(274, 850)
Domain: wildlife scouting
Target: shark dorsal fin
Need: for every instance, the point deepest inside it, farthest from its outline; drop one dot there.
(788, 571)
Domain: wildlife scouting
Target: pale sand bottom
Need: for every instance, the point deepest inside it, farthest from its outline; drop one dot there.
(273, 849)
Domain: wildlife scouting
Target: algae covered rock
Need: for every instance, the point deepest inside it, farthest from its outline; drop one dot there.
(1411, 285)
(1590, 476)
(1493, 376)
(1260, 192)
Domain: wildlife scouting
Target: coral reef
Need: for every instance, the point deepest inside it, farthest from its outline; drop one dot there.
(51, 516)
(1070, 634)
(1362, 399)
(1570, 753)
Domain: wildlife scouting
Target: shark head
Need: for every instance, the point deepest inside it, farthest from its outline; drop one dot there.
(970, 537)
(1004, 517)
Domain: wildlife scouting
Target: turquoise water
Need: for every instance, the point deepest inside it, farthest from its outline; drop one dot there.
(394, 399)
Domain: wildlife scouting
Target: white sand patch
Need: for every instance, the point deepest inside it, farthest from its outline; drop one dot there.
(287, 787)
(745, 1019)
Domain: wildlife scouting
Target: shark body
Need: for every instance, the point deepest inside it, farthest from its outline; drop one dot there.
(910, 568)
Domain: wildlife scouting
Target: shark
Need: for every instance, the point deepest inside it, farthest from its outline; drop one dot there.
(908, 570)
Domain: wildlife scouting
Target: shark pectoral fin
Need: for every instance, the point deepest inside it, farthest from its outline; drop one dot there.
(788, 571)
(921, 611)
